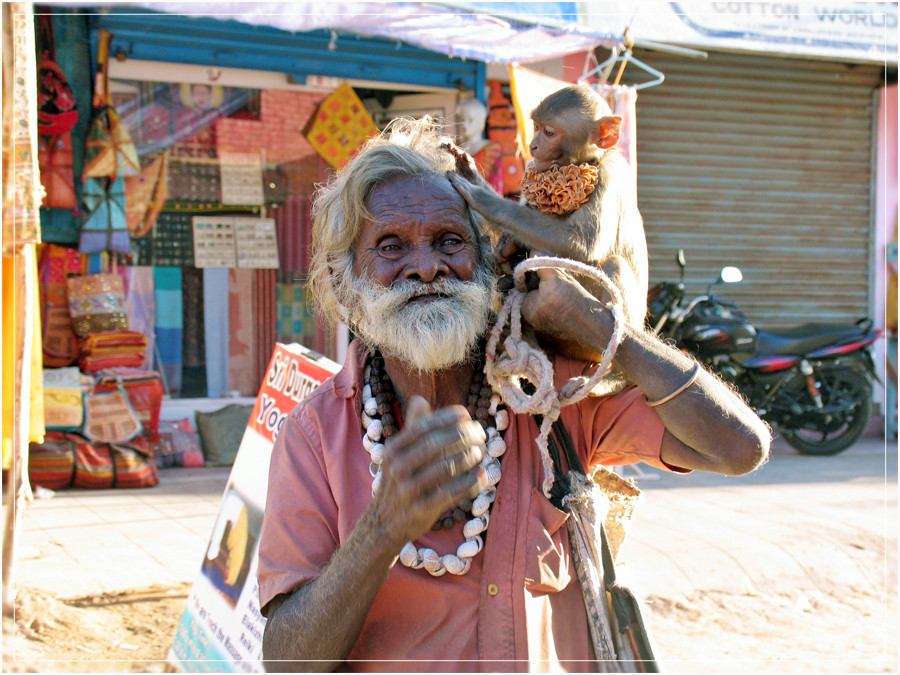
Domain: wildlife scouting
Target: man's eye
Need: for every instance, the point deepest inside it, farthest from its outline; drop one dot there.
(452, 243)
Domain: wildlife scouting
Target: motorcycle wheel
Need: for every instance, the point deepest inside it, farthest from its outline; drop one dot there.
(828, 435)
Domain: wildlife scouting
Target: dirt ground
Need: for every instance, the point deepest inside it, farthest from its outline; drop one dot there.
(129, 631)
(132, 631)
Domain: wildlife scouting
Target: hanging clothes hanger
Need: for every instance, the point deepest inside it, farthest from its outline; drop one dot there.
(626, 57)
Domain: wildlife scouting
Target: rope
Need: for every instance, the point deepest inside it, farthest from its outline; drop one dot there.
(520, 361)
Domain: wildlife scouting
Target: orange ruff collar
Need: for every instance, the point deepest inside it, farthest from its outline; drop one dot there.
(560, 189)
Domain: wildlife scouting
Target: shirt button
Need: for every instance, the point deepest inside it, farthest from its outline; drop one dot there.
(492, 589)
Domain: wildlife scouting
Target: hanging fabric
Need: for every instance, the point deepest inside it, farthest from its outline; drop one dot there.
(622, 100)
(22, 191)
(169, 325)
(60, 344)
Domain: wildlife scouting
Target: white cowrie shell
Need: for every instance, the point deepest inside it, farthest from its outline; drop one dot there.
(374, 469)
(495, 401)
(367, 391)
(496, 447)
(473, 528)
(374, 430)
(502, 419)
(366, 420)
(491, 433)
(469, 548)
(480, 505)
(453, 564)
(431, 561)
(376, 481)
(493, 472)
(377, 452)
(409, 556)
(370, 406)
(367, 443)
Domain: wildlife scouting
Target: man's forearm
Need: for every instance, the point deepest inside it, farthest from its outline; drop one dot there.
(315, 627)
(726, 435)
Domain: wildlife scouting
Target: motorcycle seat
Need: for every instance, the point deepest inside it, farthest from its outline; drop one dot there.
(805, 338)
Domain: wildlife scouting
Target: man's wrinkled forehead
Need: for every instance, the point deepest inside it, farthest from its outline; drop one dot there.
(405, 198)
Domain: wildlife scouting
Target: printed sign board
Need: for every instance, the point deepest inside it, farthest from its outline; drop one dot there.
(221, 628)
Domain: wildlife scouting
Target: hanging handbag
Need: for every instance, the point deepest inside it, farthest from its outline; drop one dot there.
(599, 506)
(145, 196)
(57, 113)
(109, 150)
(109, 416)
(58, 340)
(105, 225)
(57, 173)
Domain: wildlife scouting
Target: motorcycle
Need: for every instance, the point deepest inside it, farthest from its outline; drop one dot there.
(813, 383)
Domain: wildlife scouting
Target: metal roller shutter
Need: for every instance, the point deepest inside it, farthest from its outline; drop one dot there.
(764, 163)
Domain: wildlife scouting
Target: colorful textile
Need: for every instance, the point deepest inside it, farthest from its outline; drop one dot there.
(140, 305)
(169, 318)
(193, 351)
(22, 192)
(215, 328)
(340, 127)
(241, 319)
(104, 350)
(320, 468)
(178, 445)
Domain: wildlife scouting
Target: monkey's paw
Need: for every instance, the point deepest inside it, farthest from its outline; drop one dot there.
(465, 165)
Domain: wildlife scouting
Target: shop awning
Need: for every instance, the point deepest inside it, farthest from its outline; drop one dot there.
(496, 32)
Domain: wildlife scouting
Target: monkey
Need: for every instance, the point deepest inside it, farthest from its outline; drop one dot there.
(574, 126)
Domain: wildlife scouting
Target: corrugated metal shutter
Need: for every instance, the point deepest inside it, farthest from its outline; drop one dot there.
(764, 163)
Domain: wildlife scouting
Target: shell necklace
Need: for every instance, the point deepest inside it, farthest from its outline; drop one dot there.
(379, 420)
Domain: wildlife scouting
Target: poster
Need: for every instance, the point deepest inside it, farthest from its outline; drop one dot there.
(214, 241)
(242, 178)
(257, 246)
(221, 628)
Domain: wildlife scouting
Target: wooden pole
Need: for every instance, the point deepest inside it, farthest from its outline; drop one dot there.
(18, 486)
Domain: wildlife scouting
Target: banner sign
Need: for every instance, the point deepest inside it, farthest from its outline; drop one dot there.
(854, 31)
(221, 628)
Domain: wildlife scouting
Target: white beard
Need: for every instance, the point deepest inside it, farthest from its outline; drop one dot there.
(426, 337)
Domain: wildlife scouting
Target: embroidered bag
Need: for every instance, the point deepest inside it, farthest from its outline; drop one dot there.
(58, 340)
(105, 226)
(57, 173)
(97, 303)
(145, 195)
(599, 508)
(108, 150)
(109, 417)
(57, 113)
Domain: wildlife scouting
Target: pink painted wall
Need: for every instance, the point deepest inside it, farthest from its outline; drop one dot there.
(885, 209)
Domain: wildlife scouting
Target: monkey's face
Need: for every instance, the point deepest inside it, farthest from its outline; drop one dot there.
(547, 146)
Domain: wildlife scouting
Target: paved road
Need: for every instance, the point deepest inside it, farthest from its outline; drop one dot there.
(790, 569)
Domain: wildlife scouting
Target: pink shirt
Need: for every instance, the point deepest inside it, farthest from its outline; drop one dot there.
(518, 608)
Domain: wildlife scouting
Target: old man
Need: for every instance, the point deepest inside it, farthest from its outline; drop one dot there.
(388, 543)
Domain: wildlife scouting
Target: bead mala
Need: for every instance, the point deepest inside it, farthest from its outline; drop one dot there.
(380, 420)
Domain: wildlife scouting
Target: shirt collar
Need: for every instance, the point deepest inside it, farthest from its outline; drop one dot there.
(348, 381)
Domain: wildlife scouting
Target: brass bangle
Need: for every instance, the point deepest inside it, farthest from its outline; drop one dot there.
(665, 399)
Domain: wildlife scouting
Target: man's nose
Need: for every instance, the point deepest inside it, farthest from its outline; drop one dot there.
(426, 264)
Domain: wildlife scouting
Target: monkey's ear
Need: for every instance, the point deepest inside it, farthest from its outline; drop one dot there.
(606, 134)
